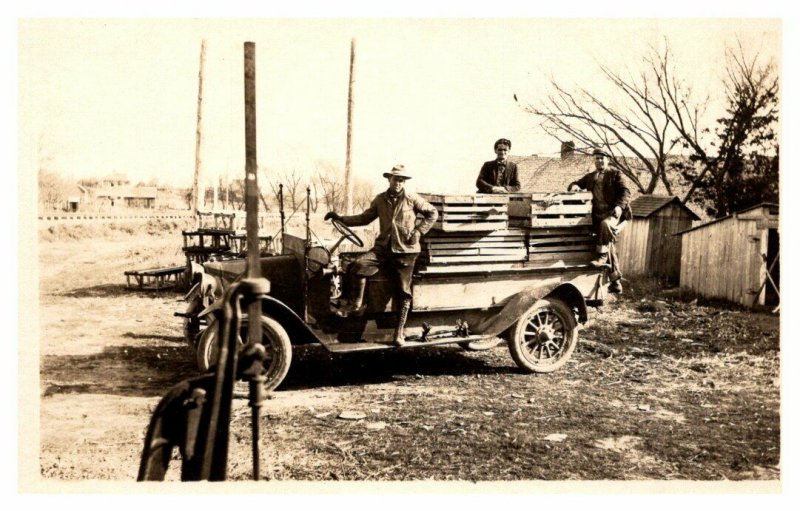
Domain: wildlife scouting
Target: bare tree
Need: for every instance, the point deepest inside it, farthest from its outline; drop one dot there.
(330, 181)
(740, 138)
(363, 193)
(293, 186)
(634, 125)
(51, 189)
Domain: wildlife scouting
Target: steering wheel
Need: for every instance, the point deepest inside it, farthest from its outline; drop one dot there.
(348, 234)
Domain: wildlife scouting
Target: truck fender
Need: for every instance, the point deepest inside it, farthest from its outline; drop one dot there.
(522, 301)
(298, 331)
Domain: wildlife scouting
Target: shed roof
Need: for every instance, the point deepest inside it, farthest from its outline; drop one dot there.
(645, 205)
(735, 213)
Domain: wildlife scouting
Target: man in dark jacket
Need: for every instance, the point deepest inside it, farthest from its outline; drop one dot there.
(610, 209)
(499, 175)
(397, 245)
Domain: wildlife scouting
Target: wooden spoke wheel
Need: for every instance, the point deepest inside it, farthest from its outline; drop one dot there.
(275, 339)
(544, 337)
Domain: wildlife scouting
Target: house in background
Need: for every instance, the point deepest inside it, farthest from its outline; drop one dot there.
(127, 196)
(648, 245)
(552, 174)
(555, 173)
(77, 196)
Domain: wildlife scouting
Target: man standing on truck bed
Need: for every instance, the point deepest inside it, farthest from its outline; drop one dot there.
(396, 247)
(499, 175)
(610, 209)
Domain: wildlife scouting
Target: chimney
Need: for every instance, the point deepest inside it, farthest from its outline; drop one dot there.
(567, 149)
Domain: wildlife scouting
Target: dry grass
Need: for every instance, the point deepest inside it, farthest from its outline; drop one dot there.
(666, 388)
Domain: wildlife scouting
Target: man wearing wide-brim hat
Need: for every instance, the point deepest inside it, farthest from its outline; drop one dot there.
(397, 245)
(610, 209)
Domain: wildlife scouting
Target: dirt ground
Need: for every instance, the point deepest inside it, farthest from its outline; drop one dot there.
(666, 388)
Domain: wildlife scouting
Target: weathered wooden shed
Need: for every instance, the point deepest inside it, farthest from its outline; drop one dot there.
(647, 245)
(729, 257)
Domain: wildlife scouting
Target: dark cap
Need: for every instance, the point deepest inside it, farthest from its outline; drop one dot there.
(503, 141)
(599, 151)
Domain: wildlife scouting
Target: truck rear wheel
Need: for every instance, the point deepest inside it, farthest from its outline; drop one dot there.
(544, 337)
(275, 339)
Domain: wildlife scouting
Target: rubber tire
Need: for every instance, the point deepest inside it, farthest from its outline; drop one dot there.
(192, 325)
(482, 345)
(516, 344)
(274, 337)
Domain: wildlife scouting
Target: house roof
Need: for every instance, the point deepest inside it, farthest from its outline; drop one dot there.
(551, 174)
(735, 213)
(555, 173)
(645, 205)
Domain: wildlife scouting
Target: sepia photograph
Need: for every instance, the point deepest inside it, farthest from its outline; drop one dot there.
(457, 254)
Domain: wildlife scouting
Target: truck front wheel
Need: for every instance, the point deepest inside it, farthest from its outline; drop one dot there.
(275, 339)
(544, 337)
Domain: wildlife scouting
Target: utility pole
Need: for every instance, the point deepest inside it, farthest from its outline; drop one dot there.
(348, 178)
(196, 203)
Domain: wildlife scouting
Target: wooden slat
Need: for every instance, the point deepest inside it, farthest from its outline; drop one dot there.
(559, 209)
(563, 248)
(468, 226)
(467, 268)
(576, 256)
(497, 234)
(465, 199)
(564, 231)
(460, 217)
(457, 252)
(558, 222)
(432, 259)
(560, 240)
(476, 244)
(471, 208)
(487, 251)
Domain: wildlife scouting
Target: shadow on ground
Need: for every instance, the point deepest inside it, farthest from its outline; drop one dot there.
(147, 371)
(313, 366)
(142, 371)
(114, 291)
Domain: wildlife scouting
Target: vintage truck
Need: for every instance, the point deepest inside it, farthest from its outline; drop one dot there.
(509, 267)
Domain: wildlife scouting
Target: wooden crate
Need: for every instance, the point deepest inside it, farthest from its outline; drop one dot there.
(572, 245)
(444, 252)
(565, 209)
(469, 213)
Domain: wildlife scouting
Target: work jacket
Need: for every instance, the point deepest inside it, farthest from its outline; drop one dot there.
(397, 224)
(488, 177)
(615, 192)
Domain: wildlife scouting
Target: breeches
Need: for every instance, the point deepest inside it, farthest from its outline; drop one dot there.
(607, 231)
(399, 266)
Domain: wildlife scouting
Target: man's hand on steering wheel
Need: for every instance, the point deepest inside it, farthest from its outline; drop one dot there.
(343, 229)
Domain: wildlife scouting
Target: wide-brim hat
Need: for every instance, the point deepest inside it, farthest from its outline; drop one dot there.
(398, 171)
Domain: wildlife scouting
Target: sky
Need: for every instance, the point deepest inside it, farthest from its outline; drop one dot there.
(98, 96)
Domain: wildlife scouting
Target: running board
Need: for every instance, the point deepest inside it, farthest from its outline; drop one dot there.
(350, 347)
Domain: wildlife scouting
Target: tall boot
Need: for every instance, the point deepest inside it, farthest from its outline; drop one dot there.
(355, 305)
(402, 316)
